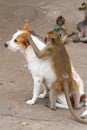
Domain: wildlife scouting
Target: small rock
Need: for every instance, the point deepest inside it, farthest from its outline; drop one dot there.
(24, 123)
(1, 83)
(26, 20)
(12, 81)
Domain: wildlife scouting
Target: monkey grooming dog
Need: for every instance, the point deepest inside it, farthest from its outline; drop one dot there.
(82, 26)
(60, 61)
(19, 42)
(40, 69)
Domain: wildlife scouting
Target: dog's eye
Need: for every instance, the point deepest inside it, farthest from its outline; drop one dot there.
(15, 40)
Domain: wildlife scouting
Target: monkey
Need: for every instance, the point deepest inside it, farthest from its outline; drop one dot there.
(60, 26)
(60, 61)
(82, 26)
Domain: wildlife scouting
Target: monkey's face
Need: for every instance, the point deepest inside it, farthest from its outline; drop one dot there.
(52, 38)
(60, 20)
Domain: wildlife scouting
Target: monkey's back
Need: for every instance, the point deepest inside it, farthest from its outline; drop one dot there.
(61, 61)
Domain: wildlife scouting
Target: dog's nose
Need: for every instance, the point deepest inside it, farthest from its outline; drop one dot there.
(6, 45)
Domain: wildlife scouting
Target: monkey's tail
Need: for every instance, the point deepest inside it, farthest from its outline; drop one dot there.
(71, 34)
(66, 91)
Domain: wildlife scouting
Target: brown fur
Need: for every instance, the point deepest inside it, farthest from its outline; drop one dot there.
(21, 40)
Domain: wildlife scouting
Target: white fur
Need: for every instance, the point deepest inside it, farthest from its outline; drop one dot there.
(38, 42)
(41, 69)
(12, 46)
(84, 114)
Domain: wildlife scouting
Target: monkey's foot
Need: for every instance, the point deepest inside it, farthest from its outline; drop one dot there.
(47, 104)
(53, 108)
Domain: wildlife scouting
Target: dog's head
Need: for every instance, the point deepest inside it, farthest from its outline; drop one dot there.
(19, 40)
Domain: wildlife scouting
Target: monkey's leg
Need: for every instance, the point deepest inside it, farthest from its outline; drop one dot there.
(55, 89)
(76, 96)
(53, 98)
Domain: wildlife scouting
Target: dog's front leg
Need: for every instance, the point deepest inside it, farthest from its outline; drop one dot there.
(37, 85)
(44, 94)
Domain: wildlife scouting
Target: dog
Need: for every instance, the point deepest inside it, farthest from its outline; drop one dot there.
(40, 68)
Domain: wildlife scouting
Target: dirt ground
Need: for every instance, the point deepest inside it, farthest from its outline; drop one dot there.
(16, 84)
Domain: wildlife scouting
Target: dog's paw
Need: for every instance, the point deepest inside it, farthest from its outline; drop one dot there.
(84, 114)
(42, 96)
(30, 102)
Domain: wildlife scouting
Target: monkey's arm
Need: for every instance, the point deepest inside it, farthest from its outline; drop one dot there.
(40, 54)
(35, 34)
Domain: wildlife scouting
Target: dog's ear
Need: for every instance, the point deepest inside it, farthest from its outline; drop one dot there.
(26, 27)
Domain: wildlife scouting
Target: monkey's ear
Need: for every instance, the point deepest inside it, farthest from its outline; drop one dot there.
(53, 41)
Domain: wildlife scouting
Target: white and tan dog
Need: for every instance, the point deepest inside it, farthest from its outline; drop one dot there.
(39, 68)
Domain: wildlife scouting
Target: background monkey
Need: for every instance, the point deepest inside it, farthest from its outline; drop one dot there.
(60, 26)
(82, 26)
(62, 67)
